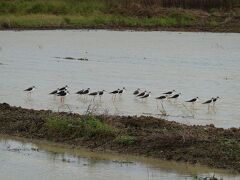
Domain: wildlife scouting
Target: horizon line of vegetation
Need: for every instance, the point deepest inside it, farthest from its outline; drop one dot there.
(23, 7)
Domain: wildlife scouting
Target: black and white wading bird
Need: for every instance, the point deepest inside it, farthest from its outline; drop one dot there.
(80, 92)
(215, 99)
(63, 88)
(161, 98)
(137, 91)
(142, 94)
(208, 101)
(114, 93)
(121, 90)
(146, 95)
(54, 92)
(193, 100)
(93, 94)
(62, 94)
(176, 96)
(30, 89)
(100, 93)
(86, 91)
(169, 92)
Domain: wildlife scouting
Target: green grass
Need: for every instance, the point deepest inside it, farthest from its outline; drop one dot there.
(23, 7)
(41, 21)
(38, 14)
(64, 126)
(125, 139)
(64, 7)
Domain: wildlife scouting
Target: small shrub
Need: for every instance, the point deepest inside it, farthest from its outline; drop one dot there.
(125, 139)
(58, 125)
(93, 127)
(64, 126)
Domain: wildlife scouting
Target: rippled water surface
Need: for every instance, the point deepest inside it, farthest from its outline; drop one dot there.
(20, 159)
(195, 64)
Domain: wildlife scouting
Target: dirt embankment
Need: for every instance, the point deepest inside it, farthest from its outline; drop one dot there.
(148, 136)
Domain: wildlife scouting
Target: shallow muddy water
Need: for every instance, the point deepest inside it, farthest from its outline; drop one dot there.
(21, 159)
(195, 64)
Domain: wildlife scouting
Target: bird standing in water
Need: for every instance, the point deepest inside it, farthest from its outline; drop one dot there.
(80, 92)
(121, 90)
(136, 92)
(62, 94)
(63, 88)
(169, 92)
(142, 94)
(100, 93)
(215, 99)
(176, 96)
(194, 100)
(161, 98)
(146, 95)
(30, 90)
(94, 94)
(208, 102)
(114, 93)
(54, 92)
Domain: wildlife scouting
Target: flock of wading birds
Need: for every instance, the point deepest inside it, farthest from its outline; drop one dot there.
(170, 95)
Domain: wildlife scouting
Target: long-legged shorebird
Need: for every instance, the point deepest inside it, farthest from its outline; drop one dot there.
(100, 93)
(146, 95)
(63, 88)
(208, 102)
(142, 94)
(193, 100)
(161, 97)
(137, 91)
(30, 90)
(176, 96)
(62, 94)
(114, 93)
(215, 99)
(80, 92)
(169, 92)
(86, 91)
(94, 94)
(54, 92)
(121, 90)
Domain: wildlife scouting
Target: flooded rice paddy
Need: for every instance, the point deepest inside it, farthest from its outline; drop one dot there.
(21, 159)
(195, 64)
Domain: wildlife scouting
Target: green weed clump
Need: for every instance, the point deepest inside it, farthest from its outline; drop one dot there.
(125, 139)
(75, 128)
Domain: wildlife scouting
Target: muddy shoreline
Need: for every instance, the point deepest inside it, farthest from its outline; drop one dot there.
(147, 136)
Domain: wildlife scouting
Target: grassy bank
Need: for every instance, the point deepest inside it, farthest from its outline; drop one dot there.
(146, 136)
(128, 14)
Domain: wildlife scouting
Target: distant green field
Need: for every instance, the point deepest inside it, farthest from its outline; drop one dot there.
(57, 7)
(103, 6)
(112, 13)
